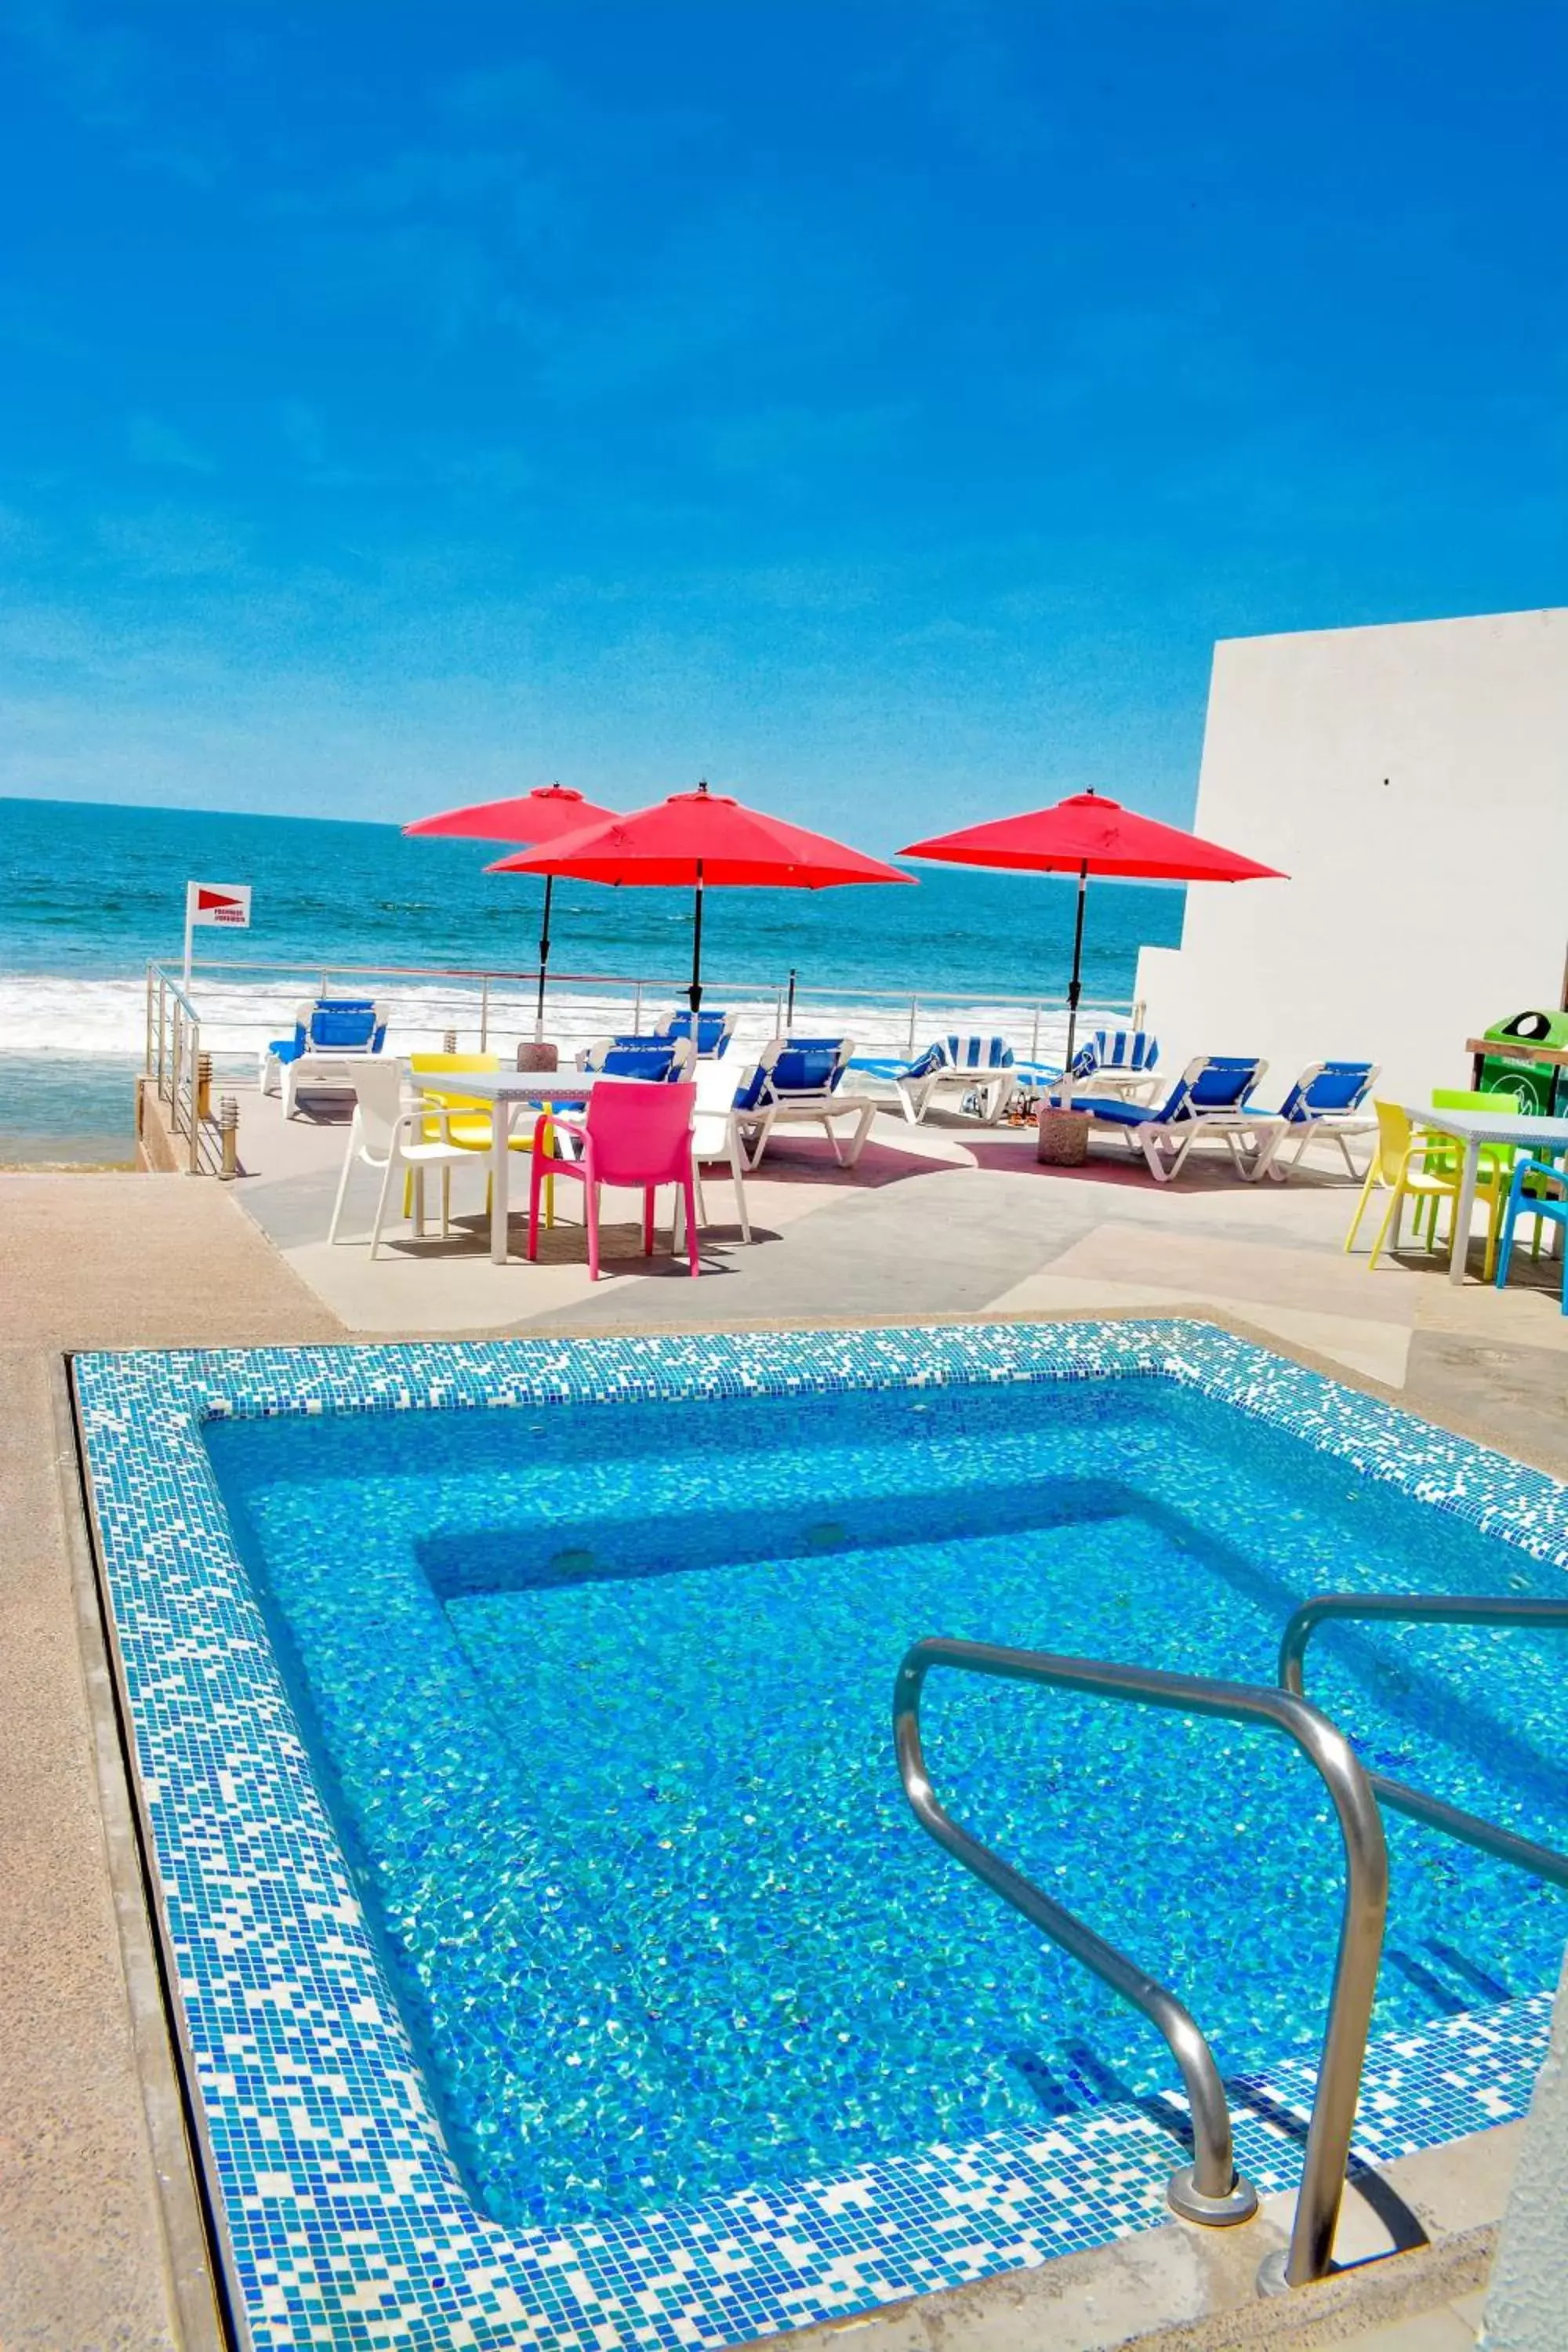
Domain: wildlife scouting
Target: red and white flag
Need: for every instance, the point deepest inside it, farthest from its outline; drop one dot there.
(226, 903)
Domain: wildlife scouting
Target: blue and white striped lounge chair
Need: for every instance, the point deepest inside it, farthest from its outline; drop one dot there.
(655, 1060)
(1324, 1101)
(1118, 1061)
(714, 1031)
(1210, 1098)
(799, 1081)
(981, 1066)
(332, 1036)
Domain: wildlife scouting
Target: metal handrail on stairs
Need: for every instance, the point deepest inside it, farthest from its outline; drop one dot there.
(1209, 2190)
(1431, 1609)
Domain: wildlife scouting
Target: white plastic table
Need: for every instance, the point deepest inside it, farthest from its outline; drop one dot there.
(507, 1092)
(1543, 1138)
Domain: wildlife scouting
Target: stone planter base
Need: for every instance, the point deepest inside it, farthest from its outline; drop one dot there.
(1064, 1138)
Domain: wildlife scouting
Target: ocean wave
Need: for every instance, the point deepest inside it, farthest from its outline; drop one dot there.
(48, 1014)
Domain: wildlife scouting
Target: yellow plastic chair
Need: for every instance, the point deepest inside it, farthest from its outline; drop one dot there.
(1405, 1161)
(468, 1120)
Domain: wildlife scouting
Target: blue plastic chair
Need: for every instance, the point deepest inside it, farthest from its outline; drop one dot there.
(1549, 1207)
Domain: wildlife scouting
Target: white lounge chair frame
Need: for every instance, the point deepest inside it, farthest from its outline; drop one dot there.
(328, 1069)
(995, 1085)
(1334, 1127)
(819, 1107)
(1165, 1144)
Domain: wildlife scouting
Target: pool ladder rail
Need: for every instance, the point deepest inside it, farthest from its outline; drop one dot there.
(1431, 1609)
(1210, 2190)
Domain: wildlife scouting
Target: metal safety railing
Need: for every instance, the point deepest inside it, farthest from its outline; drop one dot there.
(180, 1070)
(1430, 1609)
(1209, 2190)
(493, 1009)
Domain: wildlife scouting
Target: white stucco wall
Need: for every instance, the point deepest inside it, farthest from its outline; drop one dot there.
(1413, 782)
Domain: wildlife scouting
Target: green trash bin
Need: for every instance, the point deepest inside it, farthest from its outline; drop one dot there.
(1541, 1087)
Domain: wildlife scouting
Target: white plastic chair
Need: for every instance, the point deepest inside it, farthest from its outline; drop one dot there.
(716, 1134)
(388, 1135)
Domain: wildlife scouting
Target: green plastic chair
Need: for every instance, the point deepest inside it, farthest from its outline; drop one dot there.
(1494, 1162)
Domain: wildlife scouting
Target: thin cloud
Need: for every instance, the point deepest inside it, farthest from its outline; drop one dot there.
(153, 443)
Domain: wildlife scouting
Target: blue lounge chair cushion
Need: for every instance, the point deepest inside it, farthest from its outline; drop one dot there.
(1116, 1049)
(638, 1057)
(1337, 1087)
(806, 1065)
(710, 1028)
(977, 1052)
(984, 1056)
(1224, 1083)
(340, 1022)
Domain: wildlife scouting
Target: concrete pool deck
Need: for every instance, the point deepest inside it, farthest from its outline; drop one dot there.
(935, 1223)
(953, 1219)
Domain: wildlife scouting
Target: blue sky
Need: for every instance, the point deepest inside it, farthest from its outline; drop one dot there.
(882, 408)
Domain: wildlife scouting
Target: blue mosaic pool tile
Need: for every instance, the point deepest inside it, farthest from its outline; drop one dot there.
(346, 2222)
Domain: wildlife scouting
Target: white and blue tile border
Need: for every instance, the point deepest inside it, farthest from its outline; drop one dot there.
(345, 2220)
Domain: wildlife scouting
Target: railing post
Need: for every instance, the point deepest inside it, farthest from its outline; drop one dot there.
(197, 1058)
(1035, 1035)
(162, 1025)
(485, 1013)
(229, 1138)
(910, 1042)
(636, 1016)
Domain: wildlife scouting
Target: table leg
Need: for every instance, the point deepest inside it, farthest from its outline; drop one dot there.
(1464, 1210)
(500, 1155)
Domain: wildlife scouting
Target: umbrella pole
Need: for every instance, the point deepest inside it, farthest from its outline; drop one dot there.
(1075, 986)
(543, 959)
(694, 993)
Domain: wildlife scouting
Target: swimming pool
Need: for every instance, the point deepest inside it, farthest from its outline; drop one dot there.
(550, 1922)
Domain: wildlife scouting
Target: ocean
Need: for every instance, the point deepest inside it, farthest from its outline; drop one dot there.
(89, 895)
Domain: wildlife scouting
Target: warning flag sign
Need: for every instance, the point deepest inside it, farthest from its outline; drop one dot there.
(228, 903)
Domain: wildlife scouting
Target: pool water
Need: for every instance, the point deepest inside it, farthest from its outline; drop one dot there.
(599, 1697)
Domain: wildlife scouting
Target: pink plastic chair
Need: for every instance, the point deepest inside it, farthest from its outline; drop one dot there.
(635, 1133)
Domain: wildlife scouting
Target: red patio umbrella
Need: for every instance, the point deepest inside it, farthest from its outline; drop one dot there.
(542, 814)
(1084, 834)
(702, 840)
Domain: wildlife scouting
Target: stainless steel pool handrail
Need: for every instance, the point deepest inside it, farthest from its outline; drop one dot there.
(1432, 1609)
(1209, 2190)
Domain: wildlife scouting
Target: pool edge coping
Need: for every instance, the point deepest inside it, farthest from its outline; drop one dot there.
(194, 2255)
